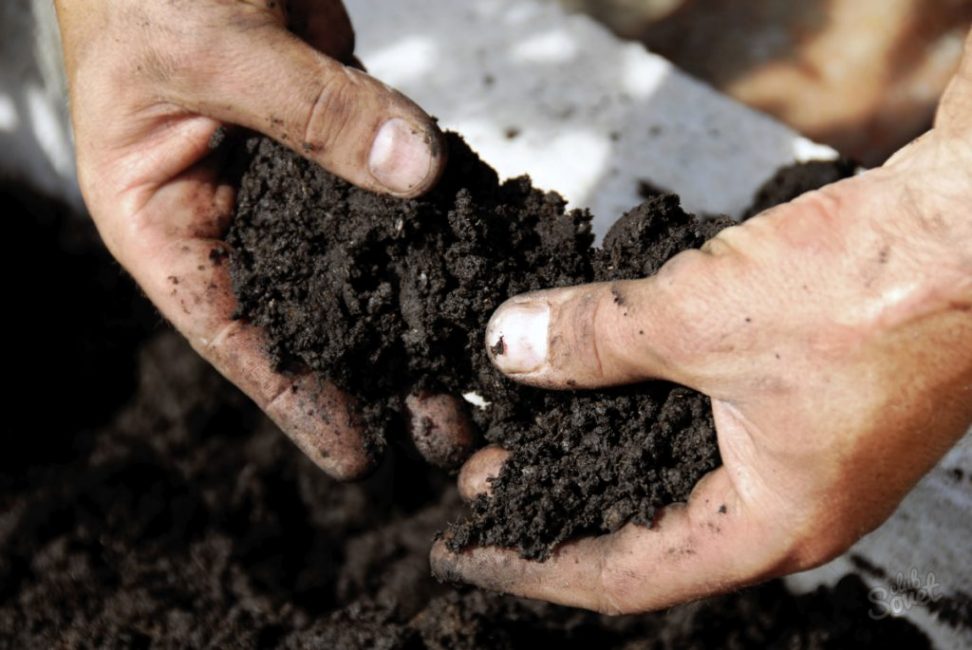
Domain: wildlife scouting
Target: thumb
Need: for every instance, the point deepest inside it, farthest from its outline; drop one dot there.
(346, 121)
(606, 333)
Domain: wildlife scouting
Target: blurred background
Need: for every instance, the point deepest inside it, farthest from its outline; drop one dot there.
(863, 76)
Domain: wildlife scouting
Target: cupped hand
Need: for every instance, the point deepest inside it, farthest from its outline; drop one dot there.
(151, 83)
(834, 336)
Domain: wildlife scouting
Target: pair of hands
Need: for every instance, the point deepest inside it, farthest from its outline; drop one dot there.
(833, 334)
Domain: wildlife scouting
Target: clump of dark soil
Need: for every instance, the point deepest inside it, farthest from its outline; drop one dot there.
(384, 296)
(387, 297)
(793, 180)
(589, 462)
(161, 509)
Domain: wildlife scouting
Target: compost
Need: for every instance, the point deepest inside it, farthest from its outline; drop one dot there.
(144, 502)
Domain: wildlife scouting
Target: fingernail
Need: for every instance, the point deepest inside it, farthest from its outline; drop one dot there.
(476, 476)
(440, 429)
(444, 563)
(401, 158)
(516, 336)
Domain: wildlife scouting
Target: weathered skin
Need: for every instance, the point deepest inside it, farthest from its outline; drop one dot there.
(834, 336)
(151, 82)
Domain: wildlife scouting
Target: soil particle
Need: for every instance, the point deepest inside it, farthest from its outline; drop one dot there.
(647, 189)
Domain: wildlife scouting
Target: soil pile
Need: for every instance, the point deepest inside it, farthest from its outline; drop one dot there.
(145, 503)
(386, 297)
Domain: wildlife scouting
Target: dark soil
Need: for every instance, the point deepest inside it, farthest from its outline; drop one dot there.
(145, 503)
(385, 296)
(590, 462)
(388, 297)
(793, 180)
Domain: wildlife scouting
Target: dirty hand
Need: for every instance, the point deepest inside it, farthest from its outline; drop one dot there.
(834, 336)
(151, 82)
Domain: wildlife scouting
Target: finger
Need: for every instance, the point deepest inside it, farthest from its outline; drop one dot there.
(440, 429)
(341, 118)
(181, 264)
(476, 476)
(603, 334)
(713, 544)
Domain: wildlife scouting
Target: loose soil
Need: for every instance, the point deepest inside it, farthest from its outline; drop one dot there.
(793, 180)
(388, 297)
(144, 502)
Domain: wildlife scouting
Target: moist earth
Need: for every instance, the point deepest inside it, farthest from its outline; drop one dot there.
(388, 297)
(791, 181)
(145, 503)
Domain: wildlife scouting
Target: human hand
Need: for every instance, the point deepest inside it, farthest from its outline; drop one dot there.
(834, 336)
(151, 83)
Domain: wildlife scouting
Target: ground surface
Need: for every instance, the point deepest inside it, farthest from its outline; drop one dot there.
(145, 503)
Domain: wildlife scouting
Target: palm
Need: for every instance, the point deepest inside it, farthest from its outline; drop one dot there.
(151, 83)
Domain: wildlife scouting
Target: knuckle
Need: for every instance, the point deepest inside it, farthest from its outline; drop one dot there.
(330, 115)
(688, 308)
(724, 243)
(823, 201)
(576, 327)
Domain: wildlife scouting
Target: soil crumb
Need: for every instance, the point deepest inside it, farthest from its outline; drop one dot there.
(793, 180)
(586, 463)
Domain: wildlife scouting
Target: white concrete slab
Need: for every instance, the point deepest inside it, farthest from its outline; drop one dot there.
(537, 91)
(35, 134)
